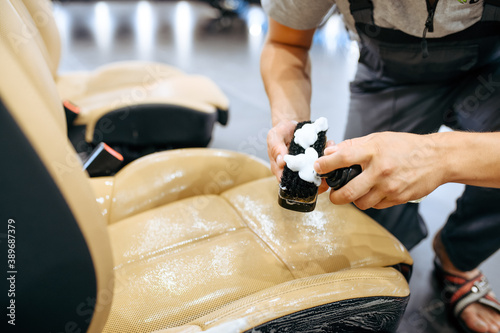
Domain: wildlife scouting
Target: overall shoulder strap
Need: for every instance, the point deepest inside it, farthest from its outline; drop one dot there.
(362, 11)
(492, 2)
(491, 11)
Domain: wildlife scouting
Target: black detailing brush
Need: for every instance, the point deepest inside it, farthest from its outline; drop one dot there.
(294, 193)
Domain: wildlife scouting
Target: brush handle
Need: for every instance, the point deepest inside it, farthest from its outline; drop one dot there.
(336, 179)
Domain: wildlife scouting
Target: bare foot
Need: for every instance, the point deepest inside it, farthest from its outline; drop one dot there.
(477, 317)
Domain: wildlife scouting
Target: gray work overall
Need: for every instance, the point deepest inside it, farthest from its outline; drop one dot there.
(410, 84)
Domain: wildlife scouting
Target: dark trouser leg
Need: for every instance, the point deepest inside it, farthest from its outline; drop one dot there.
(472, 232)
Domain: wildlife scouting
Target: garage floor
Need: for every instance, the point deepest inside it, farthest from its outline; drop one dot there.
(189, 35)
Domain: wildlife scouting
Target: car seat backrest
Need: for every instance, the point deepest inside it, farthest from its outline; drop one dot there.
(44, 29)
(23, 40)
(65, 241)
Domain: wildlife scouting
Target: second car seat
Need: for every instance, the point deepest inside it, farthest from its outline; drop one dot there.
(135, 106)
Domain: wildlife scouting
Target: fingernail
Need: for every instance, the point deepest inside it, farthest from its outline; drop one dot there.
(331, 149)
(480, 324)
(330, 143)
(279, 159)
(316, 167)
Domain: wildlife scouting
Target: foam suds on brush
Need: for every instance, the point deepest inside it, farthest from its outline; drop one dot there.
(303, 164)
(291, 182)
(307, 135)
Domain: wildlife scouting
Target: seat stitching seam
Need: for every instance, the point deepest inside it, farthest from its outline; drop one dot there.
(260, 238)
(175, 248)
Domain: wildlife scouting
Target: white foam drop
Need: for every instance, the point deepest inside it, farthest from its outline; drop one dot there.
(307, 135)
(321, 124)
(304, 165)
(237, 325)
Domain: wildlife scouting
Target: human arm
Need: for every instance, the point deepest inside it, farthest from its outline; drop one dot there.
(399, 167)
(285, 69)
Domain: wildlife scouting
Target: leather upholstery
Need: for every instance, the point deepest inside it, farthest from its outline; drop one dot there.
(117, 85)
(103, 190)
(24, 41)
(49, 42)
(300, 294)
(166, 182)
(329, 239)
(187, 240)
(232, 245)
(130, 83)
(28, 90)
(159, 179)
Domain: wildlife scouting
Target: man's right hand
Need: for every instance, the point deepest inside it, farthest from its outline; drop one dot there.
(278, 140)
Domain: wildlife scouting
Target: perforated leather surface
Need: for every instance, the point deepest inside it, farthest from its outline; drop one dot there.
(172, 226)
(179, 285)
(192, 257)
(329, 239)
(309, 293)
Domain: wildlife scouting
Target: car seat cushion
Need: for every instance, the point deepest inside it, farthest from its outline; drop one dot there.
(173, 225)
(329, 239)
(181, 284)
(161, 178)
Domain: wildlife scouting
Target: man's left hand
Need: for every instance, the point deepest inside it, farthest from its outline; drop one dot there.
(397, 168)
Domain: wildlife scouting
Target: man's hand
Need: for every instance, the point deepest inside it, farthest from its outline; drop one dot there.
(278, 141)
(397, 168)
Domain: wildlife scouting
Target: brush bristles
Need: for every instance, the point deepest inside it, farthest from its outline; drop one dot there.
(291, 184)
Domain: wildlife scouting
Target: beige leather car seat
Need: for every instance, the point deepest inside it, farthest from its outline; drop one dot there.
(180, 241)
(145, 103)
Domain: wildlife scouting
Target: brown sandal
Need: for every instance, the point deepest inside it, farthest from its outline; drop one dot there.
(460, 292)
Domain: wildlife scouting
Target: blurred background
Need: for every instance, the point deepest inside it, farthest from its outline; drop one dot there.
(222, 40)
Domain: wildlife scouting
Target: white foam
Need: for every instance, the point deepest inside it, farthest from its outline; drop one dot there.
(321, 124)
(304, 165)
(307, 135)
(237, 325)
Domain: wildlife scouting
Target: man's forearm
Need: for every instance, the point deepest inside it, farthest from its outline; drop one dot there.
(470, 158)
(286, 72)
